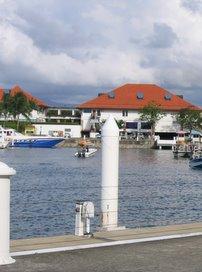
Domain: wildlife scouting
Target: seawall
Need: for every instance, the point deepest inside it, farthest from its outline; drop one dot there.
(97, 143)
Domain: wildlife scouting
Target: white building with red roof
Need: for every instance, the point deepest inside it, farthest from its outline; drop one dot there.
(125, 103)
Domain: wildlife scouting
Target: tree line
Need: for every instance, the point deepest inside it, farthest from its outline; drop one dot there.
(16, 105)
(187, 118)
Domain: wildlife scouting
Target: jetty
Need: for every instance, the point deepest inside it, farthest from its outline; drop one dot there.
(168, 248)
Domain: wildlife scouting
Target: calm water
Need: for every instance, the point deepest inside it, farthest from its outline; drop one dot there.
(155, 189)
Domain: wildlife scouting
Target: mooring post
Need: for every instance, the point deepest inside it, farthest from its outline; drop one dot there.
(5, 173)
(110, 176)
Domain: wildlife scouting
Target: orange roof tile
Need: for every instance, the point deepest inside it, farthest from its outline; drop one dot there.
(16, 89)
(125, 97)
(1, 93)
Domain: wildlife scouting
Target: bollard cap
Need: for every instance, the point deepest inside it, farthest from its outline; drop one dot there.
(5, 170)
(110, 128)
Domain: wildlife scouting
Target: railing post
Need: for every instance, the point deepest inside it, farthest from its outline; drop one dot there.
(110, 169)
(5, 173)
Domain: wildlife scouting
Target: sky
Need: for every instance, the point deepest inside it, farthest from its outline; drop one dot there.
(66, 51)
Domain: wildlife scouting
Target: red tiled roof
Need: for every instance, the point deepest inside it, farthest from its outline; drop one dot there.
(16, 89)
(125, 97)
(1, 93)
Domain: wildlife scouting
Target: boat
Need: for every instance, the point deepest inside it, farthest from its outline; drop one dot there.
(16, 139)
(86, 152)
(196, 160)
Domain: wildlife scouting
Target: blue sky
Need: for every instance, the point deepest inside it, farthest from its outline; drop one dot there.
(67, 51)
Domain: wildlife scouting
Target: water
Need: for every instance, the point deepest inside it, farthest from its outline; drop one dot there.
(155, 189)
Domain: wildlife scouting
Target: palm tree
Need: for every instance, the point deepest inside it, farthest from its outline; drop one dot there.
(5, 106)
(19, 104)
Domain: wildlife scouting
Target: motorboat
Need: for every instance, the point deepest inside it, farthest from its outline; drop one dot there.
(15, 139)
(196, 160)
(85, 152)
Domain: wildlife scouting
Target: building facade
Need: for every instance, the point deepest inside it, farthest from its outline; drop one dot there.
(125, 103)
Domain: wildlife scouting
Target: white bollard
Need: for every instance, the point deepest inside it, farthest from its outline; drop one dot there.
(5, 174)
(110, 168)
(79, 223)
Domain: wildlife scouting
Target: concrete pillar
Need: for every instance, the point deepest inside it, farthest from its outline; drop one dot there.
(110, 167)
(5, 174)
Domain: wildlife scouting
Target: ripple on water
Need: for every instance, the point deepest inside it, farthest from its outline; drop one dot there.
(155, 189)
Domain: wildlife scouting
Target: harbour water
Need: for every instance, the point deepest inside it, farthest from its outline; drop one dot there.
(155, 189)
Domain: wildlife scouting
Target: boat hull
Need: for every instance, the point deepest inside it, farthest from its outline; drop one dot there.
(196, 163)
(86, 154)
(35, 143)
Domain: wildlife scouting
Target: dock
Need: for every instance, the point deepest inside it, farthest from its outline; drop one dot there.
(156, 249)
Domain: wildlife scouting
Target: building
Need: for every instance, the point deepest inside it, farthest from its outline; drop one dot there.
(53, 121)
(125, 103)
(63, 115)
(34, 115)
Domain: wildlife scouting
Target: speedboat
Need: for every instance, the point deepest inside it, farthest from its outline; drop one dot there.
(16, 139)
(196, 161)
(85, 152)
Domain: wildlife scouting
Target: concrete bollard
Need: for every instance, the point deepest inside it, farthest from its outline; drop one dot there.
(5, 174)
(110, 168)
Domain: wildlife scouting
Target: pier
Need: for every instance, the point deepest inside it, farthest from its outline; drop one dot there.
(146, 249)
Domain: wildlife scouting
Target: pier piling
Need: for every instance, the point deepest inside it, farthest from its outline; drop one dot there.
(5, 174)
(110, 169)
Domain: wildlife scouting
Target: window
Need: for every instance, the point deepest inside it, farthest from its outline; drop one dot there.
(98, 112)
(140, 95)
(87, 110)
(125, 113)
(145, 125)
(167, 96)
(131, 125)
(111, 95)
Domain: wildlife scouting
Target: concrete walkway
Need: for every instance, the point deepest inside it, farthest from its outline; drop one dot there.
(175, 255)
(71, 242)
(147, 249)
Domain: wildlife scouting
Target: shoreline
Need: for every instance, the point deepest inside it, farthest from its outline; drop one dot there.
(126, 144)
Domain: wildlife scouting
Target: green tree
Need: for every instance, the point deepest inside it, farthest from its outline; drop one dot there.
(189, 119)
(5, 106)
(151, 113)
(120, 123)
(19, 104)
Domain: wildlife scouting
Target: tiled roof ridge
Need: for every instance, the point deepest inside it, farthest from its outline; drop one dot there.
(176, 102)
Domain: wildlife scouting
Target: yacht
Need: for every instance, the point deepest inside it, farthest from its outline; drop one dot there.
(12, 138)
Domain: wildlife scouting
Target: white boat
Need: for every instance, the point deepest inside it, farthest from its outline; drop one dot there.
(12, 138)
(3, 141)
(196, 161)
(85, 152)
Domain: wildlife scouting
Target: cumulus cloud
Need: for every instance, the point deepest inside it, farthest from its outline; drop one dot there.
(101, 43)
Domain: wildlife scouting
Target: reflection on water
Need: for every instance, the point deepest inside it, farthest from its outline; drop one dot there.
(155, 189)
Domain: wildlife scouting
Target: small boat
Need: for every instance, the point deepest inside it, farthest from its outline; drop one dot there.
(85, 152)
(16, 139)
(196, 161)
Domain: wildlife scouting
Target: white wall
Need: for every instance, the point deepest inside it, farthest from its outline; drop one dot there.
(166, 124)
(46, 129)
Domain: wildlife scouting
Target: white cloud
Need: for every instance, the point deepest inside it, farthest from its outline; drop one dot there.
(101, 43)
